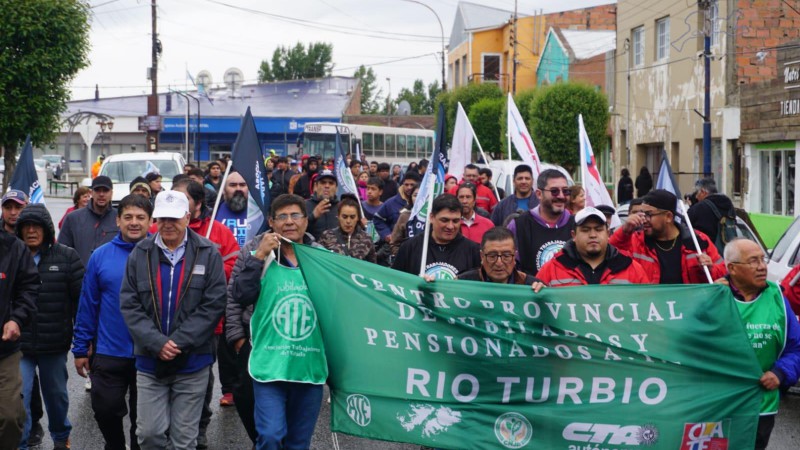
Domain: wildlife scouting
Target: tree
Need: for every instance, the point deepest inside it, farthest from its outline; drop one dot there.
(421, 99)
(370, 98)
(297, 63)
(43, 45)
(467, 96)
(484, 116)
(554, 121)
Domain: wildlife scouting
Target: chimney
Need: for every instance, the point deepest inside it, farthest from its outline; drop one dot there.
(96, 92)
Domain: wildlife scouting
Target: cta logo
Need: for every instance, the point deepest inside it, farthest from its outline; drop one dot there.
(611, 434)
(706, 435)
(513, 430)
(294, 317)
(359, 409)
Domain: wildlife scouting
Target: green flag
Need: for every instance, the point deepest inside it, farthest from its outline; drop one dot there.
(468, 365)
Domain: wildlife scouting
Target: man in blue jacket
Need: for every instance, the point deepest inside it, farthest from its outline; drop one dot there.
(172, 297)
(100, 324)
(523, 198)
(770, 324)
(389, 212)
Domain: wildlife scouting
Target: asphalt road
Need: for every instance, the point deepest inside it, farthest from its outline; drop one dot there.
(226, 432)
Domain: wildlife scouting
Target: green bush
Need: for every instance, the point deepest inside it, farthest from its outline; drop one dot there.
(483, 116)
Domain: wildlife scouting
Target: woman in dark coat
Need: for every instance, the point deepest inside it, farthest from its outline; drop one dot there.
(625, 188)
(644, 182)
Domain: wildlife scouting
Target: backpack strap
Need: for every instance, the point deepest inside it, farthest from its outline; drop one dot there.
(714, 209)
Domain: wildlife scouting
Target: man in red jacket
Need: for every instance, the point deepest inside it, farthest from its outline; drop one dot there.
(589, 259)
(791, 288)
(473, 225)
(664, 247)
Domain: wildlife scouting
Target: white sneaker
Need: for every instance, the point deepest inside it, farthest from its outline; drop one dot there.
(88, 385)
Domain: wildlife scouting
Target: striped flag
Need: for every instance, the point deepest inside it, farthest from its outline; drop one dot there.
(596, 192)
(344, 177)
(522, 139)
(25, 178)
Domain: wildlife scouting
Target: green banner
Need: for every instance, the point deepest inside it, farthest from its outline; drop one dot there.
(468, 365)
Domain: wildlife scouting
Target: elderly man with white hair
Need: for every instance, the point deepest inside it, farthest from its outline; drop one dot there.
(172, 296)
(770, 323)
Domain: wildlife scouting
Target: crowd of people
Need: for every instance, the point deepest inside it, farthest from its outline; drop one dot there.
(150, 293)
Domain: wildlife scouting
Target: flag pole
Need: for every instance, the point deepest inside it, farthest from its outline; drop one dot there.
(426, 236)
(219, 196)
(485, 159)
(508, 129)
(694, 237)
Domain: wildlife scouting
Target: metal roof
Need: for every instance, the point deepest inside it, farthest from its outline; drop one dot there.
(471, 16)
(323, 97)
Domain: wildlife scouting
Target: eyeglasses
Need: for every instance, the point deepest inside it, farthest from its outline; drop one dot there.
(504, 257)
(284, 217)
(554, 191)
(754, 263)
(649, 215)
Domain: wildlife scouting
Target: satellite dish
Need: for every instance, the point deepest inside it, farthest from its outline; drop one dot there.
(404, 108)
(204, 79)
(233, 79)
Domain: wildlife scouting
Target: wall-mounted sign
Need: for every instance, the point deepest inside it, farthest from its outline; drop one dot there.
(150, 123)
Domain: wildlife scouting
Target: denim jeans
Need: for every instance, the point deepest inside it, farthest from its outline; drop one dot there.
(171, 404)
(53, 381)
(286, 414)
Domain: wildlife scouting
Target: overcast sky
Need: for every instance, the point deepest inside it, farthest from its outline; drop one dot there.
(215, 35)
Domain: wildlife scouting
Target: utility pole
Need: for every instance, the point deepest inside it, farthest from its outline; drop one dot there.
(514, 59)
(708, 27)
(152, 101)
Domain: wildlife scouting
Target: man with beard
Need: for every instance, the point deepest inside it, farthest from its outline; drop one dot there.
(99, 324)
(90, 227)
(665, 248)
(523, 198)
(542, 231)
(233, 211)
(303, 185)
(589, 259)
(449, 253)
(323, 207)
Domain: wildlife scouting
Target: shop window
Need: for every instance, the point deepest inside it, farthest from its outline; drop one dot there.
(777, 182)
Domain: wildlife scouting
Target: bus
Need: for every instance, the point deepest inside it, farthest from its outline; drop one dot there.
(381, 144)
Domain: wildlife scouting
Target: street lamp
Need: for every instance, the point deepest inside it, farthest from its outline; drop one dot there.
(441, 28)
(187, 96)
(103, 123)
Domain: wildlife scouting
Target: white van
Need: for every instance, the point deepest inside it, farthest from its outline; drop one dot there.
(124, 167)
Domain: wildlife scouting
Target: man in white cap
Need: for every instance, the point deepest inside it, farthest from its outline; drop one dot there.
(172, 296)
(588, 258)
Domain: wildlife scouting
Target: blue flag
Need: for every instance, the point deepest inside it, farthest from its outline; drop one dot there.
(246, 159)
(434, 176)
(344, 177)
(666, 181)
(25, 178)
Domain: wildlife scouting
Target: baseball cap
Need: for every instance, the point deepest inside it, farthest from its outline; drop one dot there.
(325, 174)
(661, 199)
(606, 209)
(588, 212)
(15, 195)
(171, 204)
(102, 181)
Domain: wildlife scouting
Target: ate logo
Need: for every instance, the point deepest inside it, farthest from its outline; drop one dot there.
(705, 435)
(359, 409)
(294, 317)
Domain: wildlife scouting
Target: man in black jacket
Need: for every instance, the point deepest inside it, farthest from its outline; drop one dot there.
(172, 297)
(449, 253)
(323, 207)
(19, 287)
(702, 214)
(46, 340)
(90, 227)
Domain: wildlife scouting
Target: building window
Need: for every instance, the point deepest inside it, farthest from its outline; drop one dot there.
(662, 39)
(491, 68)
(777, 182)
(638, 46)
(714, 22)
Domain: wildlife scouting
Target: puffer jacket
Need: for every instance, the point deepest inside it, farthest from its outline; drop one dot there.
(643, 251)
(563, 270)
(356, 245)
(61, 272)
(237, 316)
(19, 287)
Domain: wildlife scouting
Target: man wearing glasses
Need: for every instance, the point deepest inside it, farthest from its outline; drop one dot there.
(664, 247)
(588, 259)
(770, 324)
(543, 231)
(497, 261)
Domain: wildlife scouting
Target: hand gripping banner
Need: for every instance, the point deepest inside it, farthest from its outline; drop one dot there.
(468, 365)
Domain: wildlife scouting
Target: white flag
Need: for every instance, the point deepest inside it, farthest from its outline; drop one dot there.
(522, 139)
(461, 149)
(596, 192)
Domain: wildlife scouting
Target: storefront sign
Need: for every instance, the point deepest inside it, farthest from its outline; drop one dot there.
(791, 80)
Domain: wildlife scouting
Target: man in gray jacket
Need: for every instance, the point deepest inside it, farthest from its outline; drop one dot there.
(88, 228)
(172, 296)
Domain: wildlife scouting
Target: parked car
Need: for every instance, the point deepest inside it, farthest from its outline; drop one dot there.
(785, 254)
(124, 167)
